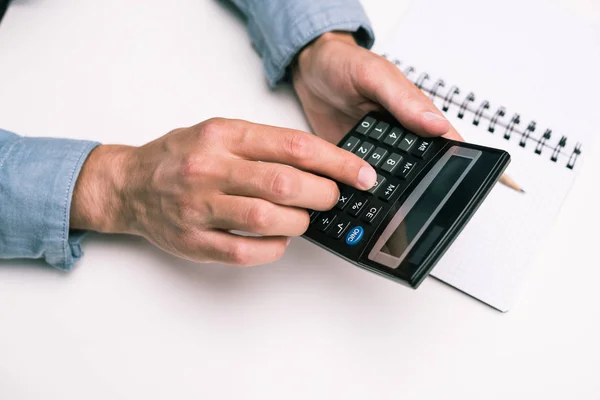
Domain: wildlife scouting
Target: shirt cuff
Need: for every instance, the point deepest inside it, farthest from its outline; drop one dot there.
(303, 22)
(37, 178)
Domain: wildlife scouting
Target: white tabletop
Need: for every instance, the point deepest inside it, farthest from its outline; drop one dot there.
(131, 322)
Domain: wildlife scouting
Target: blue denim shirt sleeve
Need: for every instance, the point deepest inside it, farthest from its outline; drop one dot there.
(280, 29)
(37, 178)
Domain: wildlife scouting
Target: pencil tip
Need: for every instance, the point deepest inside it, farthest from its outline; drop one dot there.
(522, 191)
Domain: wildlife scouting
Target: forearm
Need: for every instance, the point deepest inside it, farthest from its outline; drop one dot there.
(279, 30)
(98, 202)
(37, 178)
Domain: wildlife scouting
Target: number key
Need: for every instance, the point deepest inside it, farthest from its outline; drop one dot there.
(351, 143)
(392, 163)
(364, 149)
(393, 137)
(380, 181)
(407, 142)
(377, 156)
(379, 130)
(366, 125)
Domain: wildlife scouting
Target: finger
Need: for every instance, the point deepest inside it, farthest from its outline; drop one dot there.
(243, 251)
(258, 216)
(280, 184)
(380, 80)
(454, 135)
(302, 150)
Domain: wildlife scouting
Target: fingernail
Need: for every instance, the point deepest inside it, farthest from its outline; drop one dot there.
(367, 177)
(431, 116)
(287, 241)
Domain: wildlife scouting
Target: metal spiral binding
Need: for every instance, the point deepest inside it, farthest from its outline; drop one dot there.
(467, 104)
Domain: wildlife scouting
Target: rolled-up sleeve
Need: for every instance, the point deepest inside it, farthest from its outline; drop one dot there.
(37, 178)
(280, 29)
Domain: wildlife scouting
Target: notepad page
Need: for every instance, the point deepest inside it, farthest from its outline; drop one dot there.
(534, 59)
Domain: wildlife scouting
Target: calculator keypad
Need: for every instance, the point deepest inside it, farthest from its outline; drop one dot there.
(397, 156)
(407, 142)
(364, 150)
(379, 130)
(377, 156)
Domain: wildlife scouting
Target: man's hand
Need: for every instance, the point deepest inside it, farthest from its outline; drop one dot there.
(187, 190)
(338, 82)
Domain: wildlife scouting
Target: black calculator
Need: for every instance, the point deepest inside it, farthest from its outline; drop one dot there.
(427, 190)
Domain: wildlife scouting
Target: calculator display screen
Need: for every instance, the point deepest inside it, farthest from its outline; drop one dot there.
(411, 231)
(425, 206)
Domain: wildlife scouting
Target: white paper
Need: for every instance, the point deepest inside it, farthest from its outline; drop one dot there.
(536, 60)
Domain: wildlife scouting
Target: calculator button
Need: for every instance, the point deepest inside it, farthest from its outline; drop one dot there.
(351, 143)
(344, 199)
(407, 142)
(388, 191)
(380, 181)
(422, 148)
(371, 213)
(355, 235)
(313, 215)
(406, 168)
(377, 156)
(338, 228)
(392, 163)
(392, 138)
(324, 221)
(356, 206)
(366, 125)
(364, 150)
(379, 130)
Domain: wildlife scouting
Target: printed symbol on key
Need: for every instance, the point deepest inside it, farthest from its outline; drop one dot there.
(389, 190)
(357, 206)
(407, 167)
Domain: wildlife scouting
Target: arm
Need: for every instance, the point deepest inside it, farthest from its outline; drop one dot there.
(320, 45)
(37, 178)
(280, 29)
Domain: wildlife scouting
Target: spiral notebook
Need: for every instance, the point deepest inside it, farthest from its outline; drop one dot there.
(521, 76)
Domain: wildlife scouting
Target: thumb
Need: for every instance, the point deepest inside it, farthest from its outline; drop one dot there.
(380, 81)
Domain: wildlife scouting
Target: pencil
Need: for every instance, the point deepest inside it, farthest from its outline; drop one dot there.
(510, 182)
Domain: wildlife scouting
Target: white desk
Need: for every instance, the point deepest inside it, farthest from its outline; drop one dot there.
(133, 323)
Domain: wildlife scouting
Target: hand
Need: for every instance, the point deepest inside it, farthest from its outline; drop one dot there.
(338, 82)
(187, 190)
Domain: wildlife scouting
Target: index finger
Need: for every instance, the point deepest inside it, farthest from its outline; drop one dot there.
(301, 150)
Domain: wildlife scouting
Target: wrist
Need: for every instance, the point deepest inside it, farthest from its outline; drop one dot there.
(303, 57)
(99, 201)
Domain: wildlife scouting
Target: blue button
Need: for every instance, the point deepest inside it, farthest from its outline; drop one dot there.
(355, 235)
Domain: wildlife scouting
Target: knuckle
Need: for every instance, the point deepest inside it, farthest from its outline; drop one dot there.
(283, 184)
(259, 217)
(187, 242)
(194, 165)
(299, 146)
(238, 254)
(213, 128)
